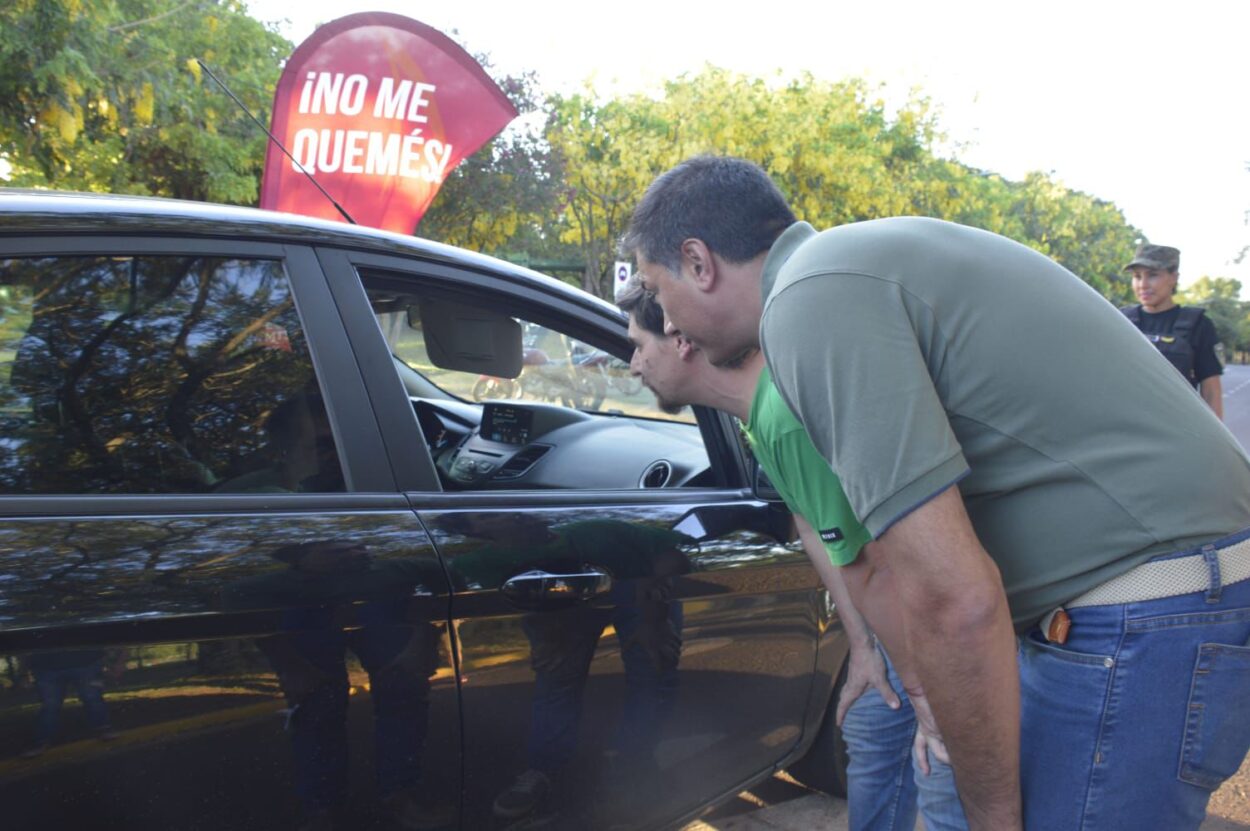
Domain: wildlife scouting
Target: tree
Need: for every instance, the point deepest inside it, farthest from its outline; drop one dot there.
(501, 199)
(1221, 297)
(1087, 235)
(108, 97)
(608, 151)
(837, 153)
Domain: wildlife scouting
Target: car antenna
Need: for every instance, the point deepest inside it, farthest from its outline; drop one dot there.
(274, 139)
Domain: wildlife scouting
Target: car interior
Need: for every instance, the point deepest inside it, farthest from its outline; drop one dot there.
(507, 401)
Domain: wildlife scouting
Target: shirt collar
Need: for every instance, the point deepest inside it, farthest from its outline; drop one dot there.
(786, 244)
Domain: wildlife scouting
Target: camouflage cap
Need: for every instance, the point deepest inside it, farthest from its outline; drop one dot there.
(1162, 257)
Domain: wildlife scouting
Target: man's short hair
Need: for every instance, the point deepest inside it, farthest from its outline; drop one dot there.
(730, 204)
(635, 300)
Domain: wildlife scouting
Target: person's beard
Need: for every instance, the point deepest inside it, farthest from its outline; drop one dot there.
(664, 404)
(670, 407)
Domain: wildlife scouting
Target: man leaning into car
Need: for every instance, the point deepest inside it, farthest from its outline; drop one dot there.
(1020, 455)
(883, 725)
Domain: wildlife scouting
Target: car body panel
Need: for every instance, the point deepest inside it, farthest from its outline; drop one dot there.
(688, 668)
(228, 612)
(211, 629)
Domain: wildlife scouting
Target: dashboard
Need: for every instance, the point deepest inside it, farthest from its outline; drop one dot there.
(522, 445)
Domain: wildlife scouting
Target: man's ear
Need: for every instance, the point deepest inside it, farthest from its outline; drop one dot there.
(685, 348)
(697, 263)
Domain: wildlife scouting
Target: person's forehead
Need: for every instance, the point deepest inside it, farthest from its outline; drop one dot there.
(635, 331)
(648, 272)
(637, 334)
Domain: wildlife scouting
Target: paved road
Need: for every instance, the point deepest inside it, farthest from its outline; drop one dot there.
(780, 804)
(1237, 402)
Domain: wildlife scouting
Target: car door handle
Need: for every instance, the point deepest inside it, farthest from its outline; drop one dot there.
(538, 588)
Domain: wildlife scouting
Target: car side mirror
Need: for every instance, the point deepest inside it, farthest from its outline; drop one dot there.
(762, 487)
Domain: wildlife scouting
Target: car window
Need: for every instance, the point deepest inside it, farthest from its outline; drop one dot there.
(556, 369)
(147, 374)
(508, 398)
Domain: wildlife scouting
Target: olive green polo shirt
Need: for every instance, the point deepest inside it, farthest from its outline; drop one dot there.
(920, 354)
(801, 475)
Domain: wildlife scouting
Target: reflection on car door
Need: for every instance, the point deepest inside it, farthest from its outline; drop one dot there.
(622, 661)
(225, 646)
(216, 609)
(626, 656)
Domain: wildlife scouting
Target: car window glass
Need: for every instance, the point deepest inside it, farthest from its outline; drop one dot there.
(134, 375)
(556, 369)
(573, 417)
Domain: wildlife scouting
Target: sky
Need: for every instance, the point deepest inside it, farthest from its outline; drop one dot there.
(1143, 106)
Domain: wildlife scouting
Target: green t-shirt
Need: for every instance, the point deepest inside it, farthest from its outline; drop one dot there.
(801, 475)
(919, 353)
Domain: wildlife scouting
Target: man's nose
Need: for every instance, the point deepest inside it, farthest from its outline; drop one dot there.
(633, 364)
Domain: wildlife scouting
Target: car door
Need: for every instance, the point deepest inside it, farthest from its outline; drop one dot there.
(627, 653)
(216, 608)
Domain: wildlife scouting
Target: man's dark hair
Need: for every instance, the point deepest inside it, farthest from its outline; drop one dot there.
(635, 300)
(731, 204)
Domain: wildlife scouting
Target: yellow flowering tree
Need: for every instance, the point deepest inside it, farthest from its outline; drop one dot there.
(108, 96)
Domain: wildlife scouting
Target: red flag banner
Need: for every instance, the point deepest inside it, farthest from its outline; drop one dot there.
(379, 108)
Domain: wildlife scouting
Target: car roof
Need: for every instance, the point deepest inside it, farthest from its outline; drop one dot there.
(28, 213)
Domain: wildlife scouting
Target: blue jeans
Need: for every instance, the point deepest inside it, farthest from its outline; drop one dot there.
(884, 788)
(1140, 715)
(52, 685)
(562, 647)
(311, 665)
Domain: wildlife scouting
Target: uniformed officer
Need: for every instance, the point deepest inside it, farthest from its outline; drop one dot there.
(1183, 334)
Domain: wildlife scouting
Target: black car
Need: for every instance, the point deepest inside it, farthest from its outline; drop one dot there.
(267, 562)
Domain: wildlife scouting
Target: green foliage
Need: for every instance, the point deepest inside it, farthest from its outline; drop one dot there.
(836, 152)
(143, 375)
(1221, 297)
(502, 198)
(106, 96)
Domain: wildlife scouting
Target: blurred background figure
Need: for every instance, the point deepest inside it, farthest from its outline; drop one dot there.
(336, 597)
(55, 673)
(1183, 334)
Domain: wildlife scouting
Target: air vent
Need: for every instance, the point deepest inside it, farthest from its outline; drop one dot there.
(520, 464)
(656, 475)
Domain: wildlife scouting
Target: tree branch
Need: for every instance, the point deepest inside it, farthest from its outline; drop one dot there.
(121, 27)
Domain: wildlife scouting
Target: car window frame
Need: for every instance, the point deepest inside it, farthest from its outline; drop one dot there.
(365, 464)
(599, 328)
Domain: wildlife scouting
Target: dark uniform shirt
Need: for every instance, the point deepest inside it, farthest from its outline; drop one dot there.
(1203, 339)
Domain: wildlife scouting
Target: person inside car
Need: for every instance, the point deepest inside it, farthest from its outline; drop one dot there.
(300, 455)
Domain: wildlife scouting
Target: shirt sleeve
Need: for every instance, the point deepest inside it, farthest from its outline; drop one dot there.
(1206, 363)
(811, 489)
(854, 357)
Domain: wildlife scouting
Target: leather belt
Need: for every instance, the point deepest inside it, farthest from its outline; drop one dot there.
(1156, 579)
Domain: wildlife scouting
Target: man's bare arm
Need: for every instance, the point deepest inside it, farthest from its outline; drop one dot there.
(866, 665)
(960, 643)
